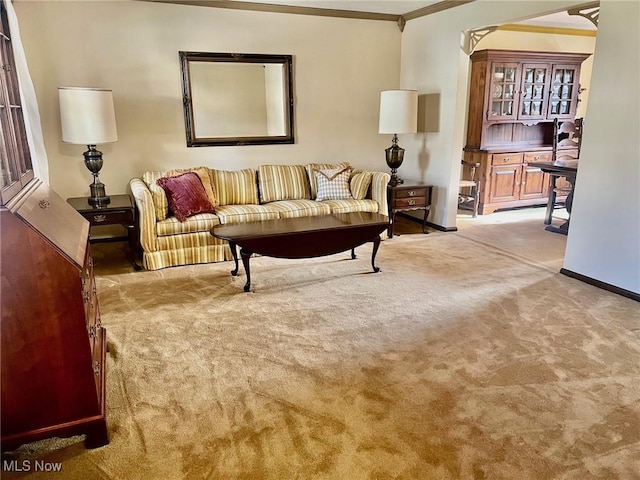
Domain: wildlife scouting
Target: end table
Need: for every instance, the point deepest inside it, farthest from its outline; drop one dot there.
(120, 211)
(410, 195)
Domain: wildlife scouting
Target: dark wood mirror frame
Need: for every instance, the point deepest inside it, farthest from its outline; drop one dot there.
(187, 61)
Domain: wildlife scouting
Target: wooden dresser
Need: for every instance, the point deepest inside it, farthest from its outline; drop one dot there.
(514, 98)
(53, 346)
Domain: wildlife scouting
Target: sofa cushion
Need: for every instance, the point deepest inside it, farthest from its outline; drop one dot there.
(352, 205)
(300, 208)
(186, 195)
(201, 222)
(235, 187)
(283, 182)
(359, 184)
(246, 213)
(313, 186)
(160, 204)
(333, 184)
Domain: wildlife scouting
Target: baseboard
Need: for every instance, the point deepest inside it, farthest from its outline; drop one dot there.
(441, 228)
(429, 224)
(605, 286)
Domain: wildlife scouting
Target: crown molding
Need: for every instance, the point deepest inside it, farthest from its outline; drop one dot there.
(548, 30)
(269, 7)
(435, 8)
(400, 20)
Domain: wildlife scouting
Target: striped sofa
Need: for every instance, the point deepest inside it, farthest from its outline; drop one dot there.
(268, 192)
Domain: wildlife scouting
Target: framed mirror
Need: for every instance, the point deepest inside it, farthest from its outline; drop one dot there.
(237, 98)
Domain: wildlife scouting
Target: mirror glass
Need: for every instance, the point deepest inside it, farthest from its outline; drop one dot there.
(237, 99)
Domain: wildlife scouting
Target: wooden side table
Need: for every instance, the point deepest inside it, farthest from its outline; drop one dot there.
(410, 195)
(120, 211)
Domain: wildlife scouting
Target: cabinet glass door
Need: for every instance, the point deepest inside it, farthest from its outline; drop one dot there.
(15, 160)
(503, 98)
(564, 91)
(535, 86)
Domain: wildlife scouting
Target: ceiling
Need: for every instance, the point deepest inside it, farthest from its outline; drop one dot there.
(404, 7)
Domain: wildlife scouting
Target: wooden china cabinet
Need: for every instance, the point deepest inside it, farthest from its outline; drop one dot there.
(514, 98)
(52, 344)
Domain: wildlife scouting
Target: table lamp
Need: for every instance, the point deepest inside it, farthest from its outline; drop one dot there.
(398, 114)
(88, 118)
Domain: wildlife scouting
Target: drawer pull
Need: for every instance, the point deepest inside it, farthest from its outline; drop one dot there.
(44, 203)
(411, 193)
(537, 157)
(506, 160)
(99, 218)
(411, 202)
(97, 369)
(92, 331)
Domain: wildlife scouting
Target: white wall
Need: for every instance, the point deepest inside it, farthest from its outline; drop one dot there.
(433, 62)
(604, 238)
(340, 67)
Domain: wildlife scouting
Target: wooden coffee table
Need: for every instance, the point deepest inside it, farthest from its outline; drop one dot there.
(304, 237)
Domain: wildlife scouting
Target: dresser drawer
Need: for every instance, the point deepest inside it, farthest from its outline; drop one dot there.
(411, 192)
(109, 218)
(538, 157)
(98, 360)
(506, 158)
(408, 202)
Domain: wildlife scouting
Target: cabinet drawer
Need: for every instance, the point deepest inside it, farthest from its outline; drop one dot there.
(124, 217)
(537, 157)
(410, 202)
(98, 360)
(411, 192)
(506, 158)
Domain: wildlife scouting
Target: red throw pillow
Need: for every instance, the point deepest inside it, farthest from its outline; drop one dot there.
(186, 195)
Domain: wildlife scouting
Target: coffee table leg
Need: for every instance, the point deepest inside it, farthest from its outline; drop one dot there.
(376, 244)
(232, 246)
(246, 255)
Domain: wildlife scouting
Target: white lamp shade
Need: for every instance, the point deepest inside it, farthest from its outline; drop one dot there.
(87, 116)
(398, 111)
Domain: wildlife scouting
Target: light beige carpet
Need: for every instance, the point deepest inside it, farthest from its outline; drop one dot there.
(465, 358)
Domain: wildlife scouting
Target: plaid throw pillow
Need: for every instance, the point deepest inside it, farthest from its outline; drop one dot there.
(333, 184)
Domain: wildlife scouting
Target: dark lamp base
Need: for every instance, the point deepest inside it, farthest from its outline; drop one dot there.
(99, 201)
(93, 161)
(394, 155)
(395, 180)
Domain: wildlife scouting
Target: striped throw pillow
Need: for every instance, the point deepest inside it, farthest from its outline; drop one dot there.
(359, 184)
(283, 182)
(235, 187)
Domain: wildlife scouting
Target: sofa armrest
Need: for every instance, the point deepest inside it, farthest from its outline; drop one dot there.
(146, 214)
(379, 181)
